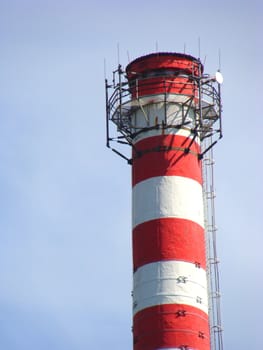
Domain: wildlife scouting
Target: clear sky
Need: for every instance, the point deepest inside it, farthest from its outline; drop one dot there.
(65, 200)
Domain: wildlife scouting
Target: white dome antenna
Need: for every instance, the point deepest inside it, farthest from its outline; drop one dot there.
(219, 77)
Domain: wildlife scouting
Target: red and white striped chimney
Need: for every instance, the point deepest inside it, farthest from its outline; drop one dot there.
(169, 112)
(170, 302)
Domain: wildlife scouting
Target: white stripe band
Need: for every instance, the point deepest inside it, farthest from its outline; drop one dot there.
(167, 196)
(169, 131)
(170, 282)
(157, 109)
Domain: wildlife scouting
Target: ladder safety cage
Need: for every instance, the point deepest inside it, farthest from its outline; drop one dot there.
(216, 330)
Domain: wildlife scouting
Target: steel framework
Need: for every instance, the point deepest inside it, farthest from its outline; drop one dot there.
(200, 111)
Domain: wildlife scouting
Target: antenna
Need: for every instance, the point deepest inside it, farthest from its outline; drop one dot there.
(104, 64)
(128, 56)
(156, 46)
(184, 47)
(219, 77)
(118, 53)
(219, 59)
(199, 47)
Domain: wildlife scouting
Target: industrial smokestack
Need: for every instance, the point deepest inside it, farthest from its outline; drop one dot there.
(170, 114)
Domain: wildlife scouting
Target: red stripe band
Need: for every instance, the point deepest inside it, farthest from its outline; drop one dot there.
(168, 239)
(163, 84)
(166, 155)
(165, 326)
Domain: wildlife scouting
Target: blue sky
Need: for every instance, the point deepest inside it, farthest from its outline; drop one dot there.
(65, 200)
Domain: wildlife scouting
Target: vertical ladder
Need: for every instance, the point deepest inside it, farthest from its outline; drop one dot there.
(211, 249)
